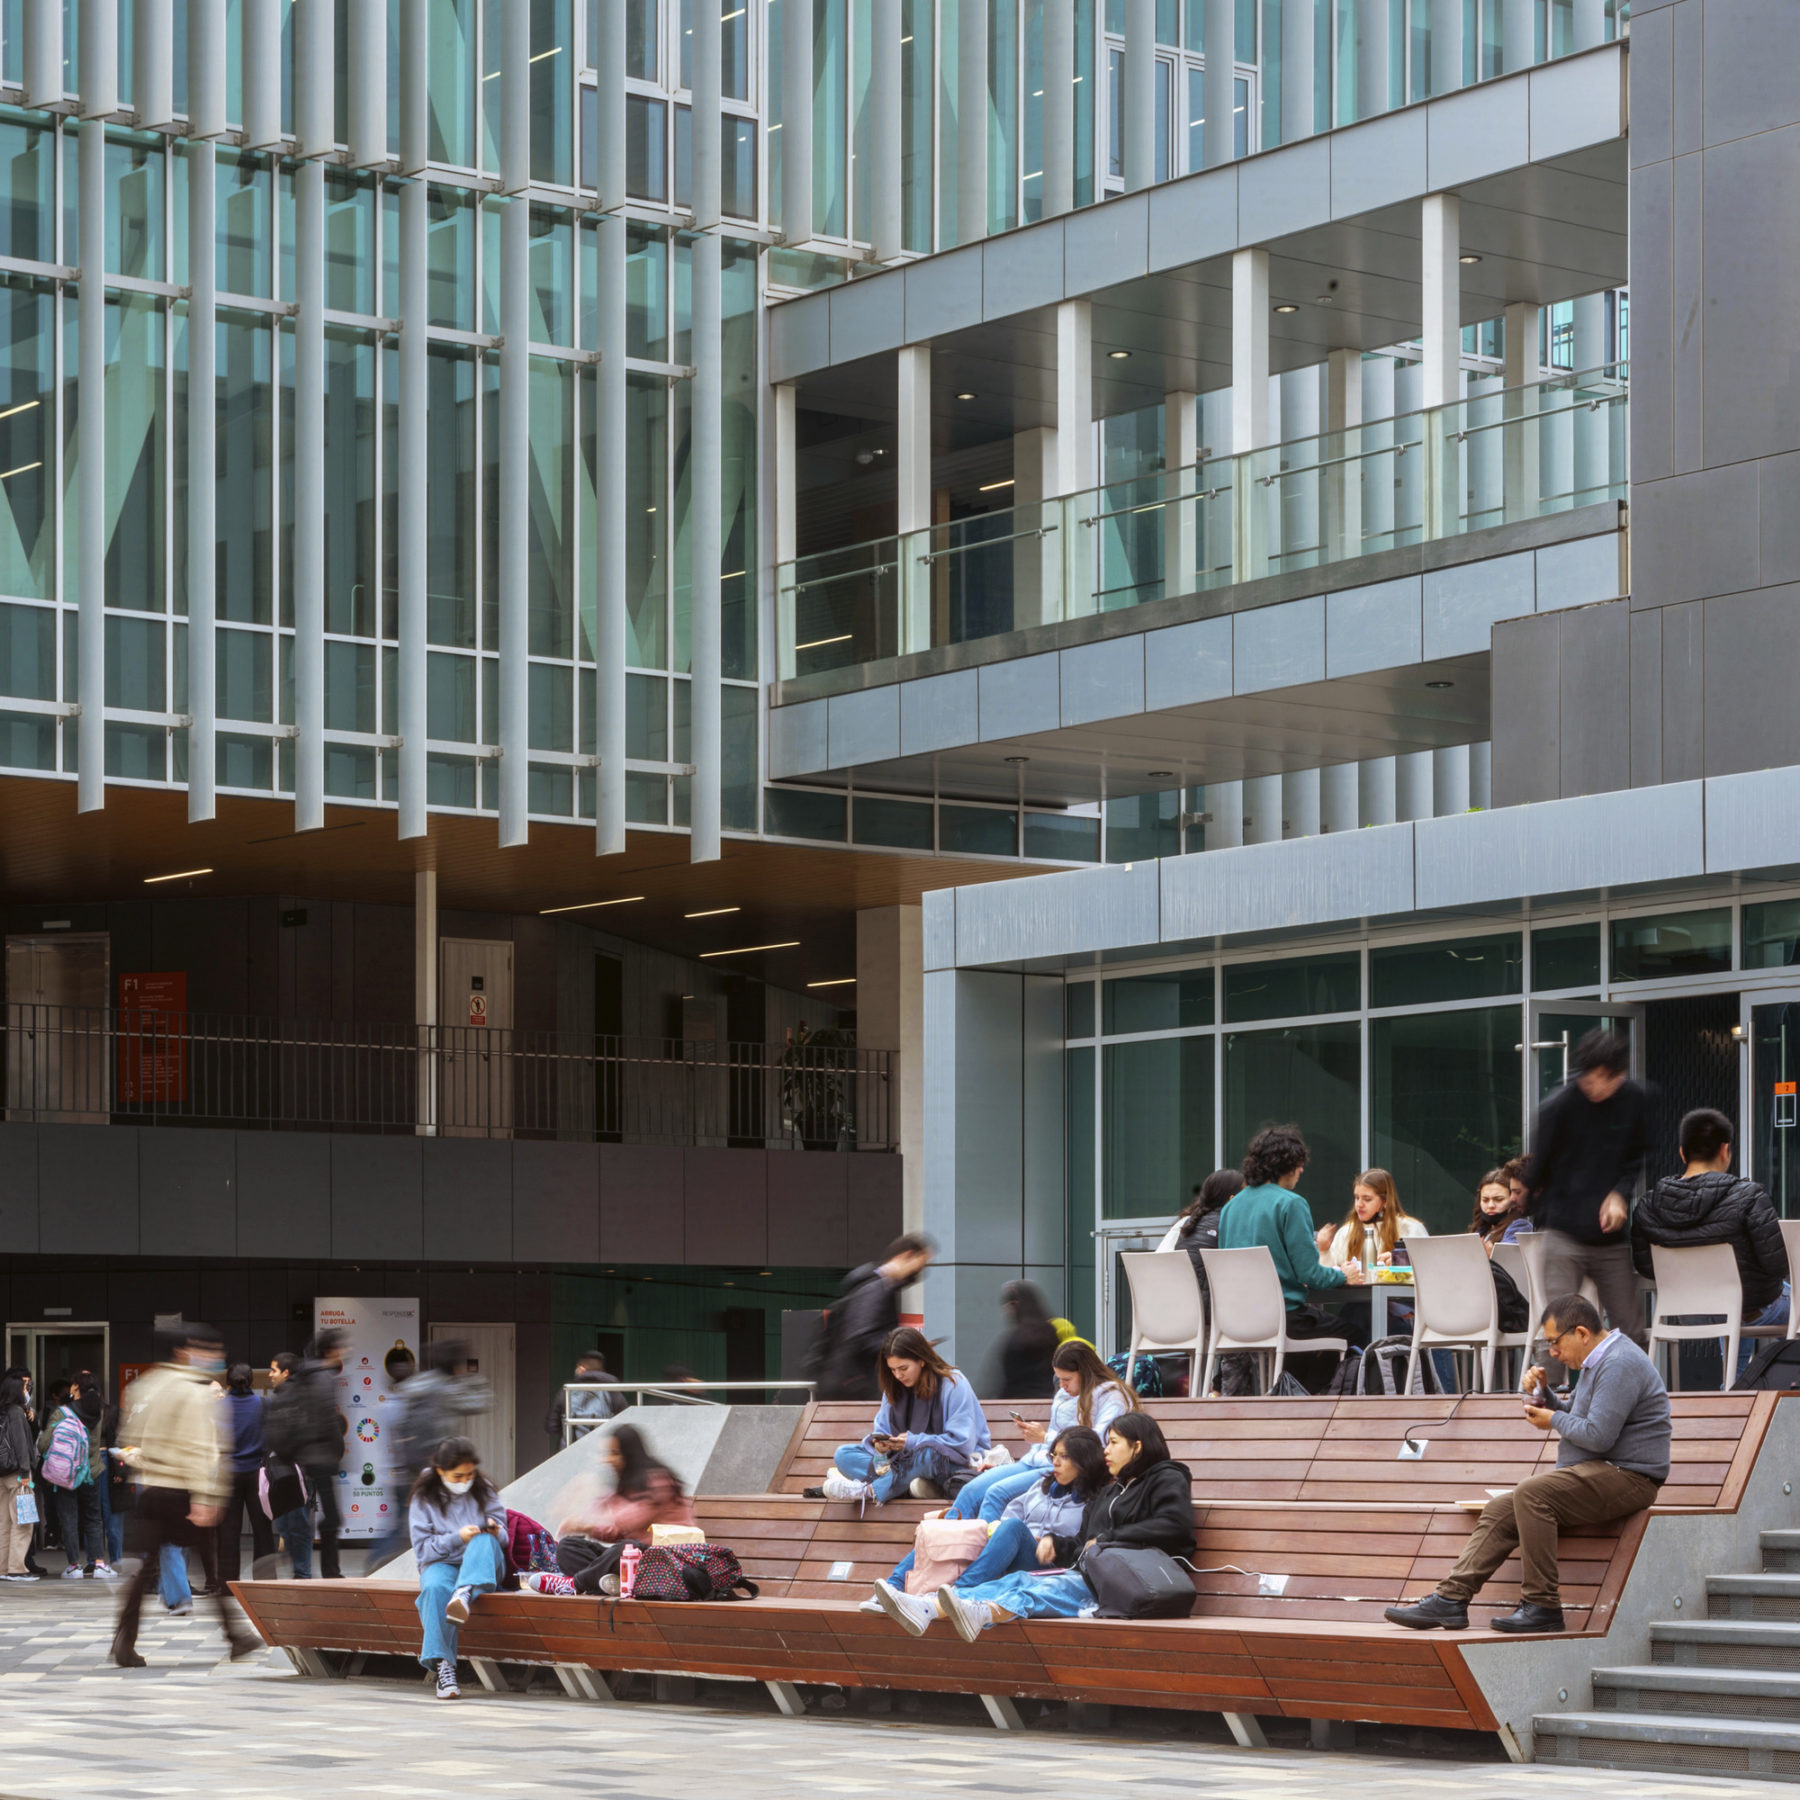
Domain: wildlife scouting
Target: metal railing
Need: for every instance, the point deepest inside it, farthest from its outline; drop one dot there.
(94, 1065)
(677, 1393)
(1488, 459)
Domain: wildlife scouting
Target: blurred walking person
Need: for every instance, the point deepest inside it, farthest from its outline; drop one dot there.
(315, 1436)
(242, 1408)
(101, 1417)
(16, 1493)
(284, 1431)
(173, 1426)
(434, 1405)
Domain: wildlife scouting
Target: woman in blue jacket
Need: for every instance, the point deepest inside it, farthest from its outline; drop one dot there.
(928, 1428)
(458, 1536)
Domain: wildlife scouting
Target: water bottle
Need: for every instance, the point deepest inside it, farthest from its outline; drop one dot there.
(628, 1568)
(1371, 1251)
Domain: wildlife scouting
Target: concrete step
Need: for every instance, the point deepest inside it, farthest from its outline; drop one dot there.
(1708, 1693)
(1753, 1596)
(1781, 1550)
(1725, 1643)
(1649, 1740)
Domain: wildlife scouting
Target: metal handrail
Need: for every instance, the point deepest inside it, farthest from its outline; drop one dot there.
(1034, 531)
(680, 1392)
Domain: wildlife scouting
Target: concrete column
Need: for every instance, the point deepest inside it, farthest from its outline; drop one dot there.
(1074, 397)
(1446, 46)
(1343, 523)
(972, 121)
(885, 61)
(1249, 350)
(890, 1015)
(787, 525)
(1299, 100)
(90, 475)
(1590, 23)
(1592, 431)
(707, 505)
(1263, 814)
(1339, 798)
(315, 81)
(514, 560)
(1441, 289)
(411, 449)
(1138, 95)
(98, 49)
(914, 431)
(1520, 474)
(42, 35)
(1225, 801)
(1481, 765)
(366, 55)
(1413, 786)
(425, 993)
(1518, 35)
(1372, 66)
(1297, 503)
(1301, 803)
(1450, 780)
(796, 118)
(1037, 561)
(1376, 800)
(153, 65)
(1181, 480)
(206, 68)
(1220, 82)
(1059, 107)
(262, 74)
(610, 399)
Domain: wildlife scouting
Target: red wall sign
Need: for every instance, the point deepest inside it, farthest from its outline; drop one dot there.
(152, 1039)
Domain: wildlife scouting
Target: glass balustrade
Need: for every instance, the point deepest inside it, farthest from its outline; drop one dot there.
(1493, 457)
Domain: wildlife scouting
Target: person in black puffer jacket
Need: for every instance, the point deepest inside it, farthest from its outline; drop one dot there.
(1707, 1204)
(1149, 1505)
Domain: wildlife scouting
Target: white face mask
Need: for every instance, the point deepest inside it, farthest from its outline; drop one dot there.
(458, 1487)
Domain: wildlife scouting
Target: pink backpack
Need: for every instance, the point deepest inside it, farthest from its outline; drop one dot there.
(942, 1549)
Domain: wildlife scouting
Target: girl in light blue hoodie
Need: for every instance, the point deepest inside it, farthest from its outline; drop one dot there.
(928, 1428)
(458, 1537)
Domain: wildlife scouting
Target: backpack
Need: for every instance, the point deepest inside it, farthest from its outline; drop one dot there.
(1382, 1369)
(1515, 1313)
(1134, 1581)
(1775, 1368)
(66, 1462)
(1148, 1380)
(690, 1572)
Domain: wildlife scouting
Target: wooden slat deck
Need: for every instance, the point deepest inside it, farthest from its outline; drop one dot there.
(1312, 1490)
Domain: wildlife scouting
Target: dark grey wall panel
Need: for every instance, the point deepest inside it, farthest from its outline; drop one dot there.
(641, 1204)
(877, 1200)
(1646, 689)
(807, 1198)
(1652, 97)
(556, 1202)
(1682, 685)
(456, 1297)
(726, 1217)
(88, 1191)
(225, 1294)
(467, 1199)
(187, 1191)
(1752, 676)
(1526, 711)
(39, 1293)
(1694, 535)
(134, 1297)
(19, 1188)
(1652, 329)
(284, 1194)
(1779, 509)
(1594, 674)
(1748, 55)
(375, 1198)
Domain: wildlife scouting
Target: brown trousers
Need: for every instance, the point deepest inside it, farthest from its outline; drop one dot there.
(1529, 1518)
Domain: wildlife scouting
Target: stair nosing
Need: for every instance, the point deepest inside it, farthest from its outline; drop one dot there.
(1642, 1727)
(1664, 1676)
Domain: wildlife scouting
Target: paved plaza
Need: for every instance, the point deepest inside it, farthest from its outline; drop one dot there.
(194, 1724)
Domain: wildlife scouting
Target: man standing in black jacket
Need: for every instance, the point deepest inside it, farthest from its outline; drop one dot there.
(306, 1427)
(865, 1315)
(1588, 1145)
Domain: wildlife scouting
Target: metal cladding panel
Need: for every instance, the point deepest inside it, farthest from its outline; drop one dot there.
(864, 726)
(1021, 270)
(1103, 680)
(1575, 101)
(943, 293)
(938, 711)
(1106, 908)
(1562, 846)
(1378, 163)
(1752, 820)
(1190, 220)
(1284, 190)
(797, 739)
(1279, 646)
(1188, 663)
(1305, 881)
(1375, 627)
(1020, 697)
(867, 317)
(937, 927)
(1577, 573)
(1477, 132)
(799, 337)
(1114, 237)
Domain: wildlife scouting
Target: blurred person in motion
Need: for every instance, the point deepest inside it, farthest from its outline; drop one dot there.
(313, 1436)
(458, 1531)
(645, 1492)
(434, 1404)
(179, 1463)
(101, 1417)
(584, 1411)
(845, 1363)
(1025, 1351)
(15, 1481)
(243, 1427)
(69, 1461)
(284, 1434)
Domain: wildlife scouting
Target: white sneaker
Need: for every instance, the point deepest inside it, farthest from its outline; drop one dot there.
(841, 1487)
(72, 1572)
(913, 1612)
(104, 1572)
(457, 1609)
(446, 1681)
(923, 1488)
(181, 1611)
(871, 1605)
(970, 1617)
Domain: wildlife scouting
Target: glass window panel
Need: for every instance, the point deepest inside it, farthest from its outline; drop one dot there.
(830, 126)
(1078, 1010)
(977, 831)
(241, 670)
(450, 499)
(1159, 1002)
(27, 527)
(641, 58)
(738, 172)
(1196, 118)
(1078, 1166)
(1295, 988)
(349, 687)
(1445, 1092)
(349, 772)
(349, 242)
(450, 259)
(734, 49)
(350, 425)
(552, 92)
(1062, 837)
(737, 725)
(1003, 118)
(245, 504)
(491, 213)
(1310, 1075)
(916, 27)
(490, 700)
(1459, 969)
(28, 652)
(450, 781)
(1115, 108)
(1143, 827)
(1670, 944)
(245, 188)
(551, 790)
(646, 718)
(134, 206)
(646, 522)
(27, 740)
(646, 154)
(552, 276)
(136, 752)
(788, 812)
(1157, 1103)
(1565, 956)
(682, 786)
(647, 293)
(1771, 931)
(552, 716)
(135, 673)
(1031, 152)
(738, 465)
(684, 157)
(550, 544)
(284, 679)
(27, 189)
(450, 699)
(1165, 76)
(136, 464)
(901, 824)
(244, 762)
(647, 799)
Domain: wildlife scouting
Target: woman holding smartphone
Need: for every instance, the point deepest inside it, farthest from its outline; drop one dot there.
(928, 1429)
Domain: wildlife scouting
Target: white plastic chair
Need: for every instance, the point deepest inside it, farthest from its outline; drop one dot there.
(1249, 1311)
(1533, 1247)
(1167, 1312)
(1456, 1305)
(1790, 1235)
(1700, 1282)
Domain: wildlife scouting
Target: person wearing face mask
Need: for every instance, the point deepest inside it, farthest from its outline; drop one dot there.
(458, 1529)
(179, 1464)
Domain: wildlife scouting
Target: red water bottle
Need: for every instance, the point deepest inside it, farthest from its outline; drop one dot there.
(628, 1568)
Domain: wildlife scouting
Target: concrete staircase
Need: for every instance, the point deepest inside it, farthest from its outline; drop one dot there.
(1719, 1696)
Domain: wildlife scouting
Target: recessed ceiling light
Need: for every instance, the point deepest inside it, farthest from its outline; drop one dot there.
(1118, 356)
(841, 981)
(965, 396)
(1161, 774)
(712, 912)
(1018, 759)
(1467, 258)
(992, 487)
(1287, 306)
(179, 875)
(749, 949)
(1440, 684)
(589, 905)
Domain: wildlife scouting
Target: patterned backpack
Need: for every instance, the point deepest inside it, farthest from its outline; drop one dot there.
(66, 1462)
(691, 1572)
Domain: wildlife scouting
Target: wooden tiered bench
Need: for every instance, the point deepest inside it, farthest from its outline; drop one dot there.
(1310, 1492)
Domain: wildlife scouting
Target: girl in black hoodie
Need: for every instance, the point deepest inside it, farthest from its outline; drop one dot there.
(1149, 1504)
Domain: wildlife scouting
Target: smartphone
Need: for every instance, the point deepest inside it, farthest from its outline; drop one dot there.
(1017, 1417)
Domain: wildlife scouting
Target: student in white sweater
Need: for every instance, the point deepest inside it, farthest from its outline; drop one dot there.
(1372, 1227)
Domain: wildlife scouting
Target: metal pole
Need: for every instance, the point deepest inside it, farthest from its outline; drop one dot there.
(972, 122)
(309, 495)
(206, 68)
(366, 55)
(202, 459)
(90, 478)
(412, 447)
(611, 396)
(704, 523)
(99, 53)
(796, 120)
(153, 65)
(885, 60)
(1299, 95)
(1059, 107)
(515, 424)
(1221, 82)
(1138, 129)
(43, 55)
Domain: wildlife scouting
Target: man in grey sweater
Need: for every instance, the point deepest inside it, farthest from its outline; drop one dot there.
(1613, 1459)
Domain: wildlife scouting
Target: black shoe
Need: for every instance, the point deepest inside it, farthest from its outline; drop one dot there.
(243, 1645)
(126, 1656)
(812, 1493)
(1531, 1617)
(1433, 1613)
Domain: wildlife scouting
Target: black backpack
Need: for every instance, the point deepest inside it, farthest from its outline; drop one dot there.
(1515, 1311)
(1774, 1369)
(1137, 1582)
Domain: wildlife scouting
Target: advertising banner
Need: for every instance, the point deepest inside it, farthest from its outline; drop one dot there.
(383, 1350)
(153, 1049)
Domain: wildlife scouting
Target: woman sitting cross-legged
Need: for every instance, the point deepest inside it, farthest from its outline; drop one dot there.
(928, 1428)
(458, 1533)
(1036, 1520)
(646, 1492)
(1149, 1503)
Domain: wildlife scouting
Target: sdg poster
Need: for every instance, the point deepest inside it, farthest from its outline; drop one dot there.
(383, 1350)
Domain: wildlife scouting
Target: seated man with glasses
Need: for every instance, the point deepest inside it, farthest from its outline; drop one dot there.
(1613, 1458)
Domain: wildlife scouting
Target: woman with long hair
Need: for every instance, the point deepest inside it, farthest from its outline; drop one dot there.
(646, 1492)
(1196, 1226)
(1148, 1503)
(1499, 1216)
(15, 1478)
(928, 1428)
(458, 1531)
(1025, 1537)
(1030, 1339)
(1372, 1227)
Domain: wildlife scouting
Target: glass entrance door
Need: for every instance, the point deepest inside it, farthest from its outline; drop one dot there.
(1772, 1155)
(1557, 1026)
(59, 1353)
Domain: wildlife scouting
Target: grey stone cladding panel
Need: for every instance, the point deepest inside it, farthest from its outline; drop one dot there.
(1376, 627)
(1018, 698)
(937, 711)
(863, 726)
(1101, 908)
(1465, 602)
(797, 739)
(1103, 680)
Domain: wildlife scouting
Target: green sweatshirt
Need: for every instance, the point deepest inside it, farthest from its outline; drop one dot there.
(1271, 1215)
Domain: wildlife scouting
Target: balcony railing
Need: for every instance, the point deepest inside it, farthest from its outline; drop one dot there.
(1489, 459)
(94, 1065)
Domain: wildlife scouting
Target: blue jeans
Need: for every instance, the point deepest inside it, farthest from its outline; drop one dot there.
(172, 1576)
(857, 1462)
(480, 1570)
(1059, 1596)
(295, 1528)
(112, 1524)
(1775, 1313)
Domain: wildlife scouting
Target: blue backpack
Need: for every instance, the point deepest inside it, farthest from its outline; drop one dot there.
(66, 1461)
(1148, 1380)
